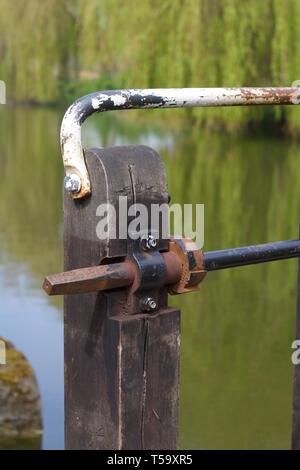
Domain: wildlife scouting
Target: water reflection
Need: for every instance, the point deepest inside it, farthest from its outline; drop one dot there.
(236, 374)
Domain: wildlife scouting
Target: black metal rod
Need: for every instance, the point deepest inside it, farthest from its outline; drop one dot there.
(234, 257)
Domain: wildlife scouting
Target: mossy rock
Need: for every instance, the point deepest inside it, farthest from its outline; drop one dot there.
(20, 408)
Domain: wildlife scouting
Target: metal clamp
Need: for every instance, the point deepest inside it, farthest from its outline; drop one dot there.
(181, 268)
(77, 180)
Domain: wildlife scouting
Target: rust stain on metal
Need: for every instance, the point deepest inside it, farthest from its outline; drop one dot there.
(269, 96)
(183, 271)
(110, 100)
(192, 265)
(91, 279)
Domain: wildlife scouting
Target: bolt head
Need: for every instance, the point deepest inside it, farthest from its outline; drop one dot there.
(152, 241)
(149, 304)
(149, 242)
(72, 183)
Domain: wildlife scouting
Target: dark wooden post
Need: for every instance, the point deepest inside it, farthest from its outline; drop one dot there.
(121, 365)
(296, 403)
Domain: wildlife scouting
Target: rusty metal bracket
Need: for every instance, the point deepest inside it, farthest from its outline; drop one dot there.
(77, 180)
(181, 268)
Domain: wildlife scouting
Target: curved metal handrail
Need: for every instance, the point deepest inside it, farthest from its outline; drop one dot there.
(77, 179)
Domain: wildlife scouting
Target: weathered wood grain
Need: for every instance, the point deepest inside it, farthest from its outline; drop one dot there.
(121, 368)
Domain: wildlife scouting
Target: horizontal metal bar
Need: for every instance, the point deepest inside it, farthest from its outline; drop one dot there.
(90, 279)
(107, 277)
(77, 176)
(254, 254)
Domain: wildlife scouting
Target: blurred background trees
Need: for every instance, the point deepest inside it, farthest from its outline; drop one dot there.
(56, 50)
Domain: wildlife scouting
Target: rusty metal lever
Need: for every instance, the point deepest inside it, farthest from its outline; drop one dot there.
(183, 271)
(91, 279)
(186, 267)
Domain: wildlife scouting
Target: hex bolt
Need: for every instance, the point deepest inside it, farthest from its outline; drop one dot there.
(148, 304)
(72, 183)
(149, 242)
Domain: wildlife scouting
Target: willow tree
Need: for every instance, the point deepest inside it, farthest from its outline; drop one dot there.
(173, 43)
(37, 47)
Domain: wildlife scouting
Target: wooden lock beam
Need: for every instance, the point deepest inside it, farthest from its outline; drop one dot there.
(121, 367)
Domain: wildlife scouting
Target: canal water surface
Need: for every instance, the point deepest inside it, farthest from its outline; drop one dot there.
(236, 371)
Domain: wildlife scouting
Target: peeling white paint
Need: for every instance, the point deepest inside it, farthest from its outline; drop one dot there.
(96, 103)
(154, 98)
(118, 100)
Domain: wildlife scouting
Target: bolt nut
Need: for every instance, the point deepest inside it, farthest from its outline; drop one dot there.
(72, 183)
(148, 304)
(149, 242)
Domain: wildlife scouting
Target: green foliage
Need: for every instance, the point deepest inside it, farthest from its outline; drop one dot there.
(36, 42)
(70, 90)
(49, 50)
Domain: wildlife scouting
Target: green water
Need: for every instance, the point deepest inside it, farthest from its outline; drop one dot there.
(236, 371)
